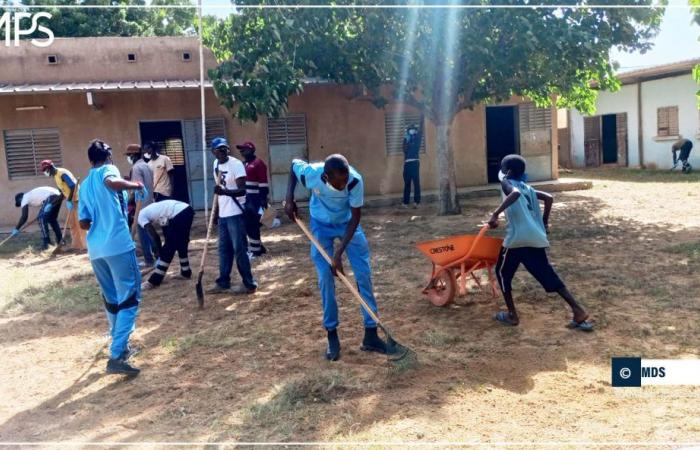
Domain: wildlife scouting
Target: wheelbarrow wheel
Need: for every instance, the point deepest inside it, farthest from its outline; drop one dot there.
(442, 289)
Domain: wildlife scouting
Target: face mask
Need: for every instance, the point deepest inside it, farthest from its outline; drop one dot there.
(147, 155)
(130, 160)
(501, 175)
(47, 173)
(412, 132)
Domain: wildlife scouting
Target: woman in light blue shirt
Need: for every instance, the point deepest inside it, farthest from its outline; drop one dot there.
(103, 212)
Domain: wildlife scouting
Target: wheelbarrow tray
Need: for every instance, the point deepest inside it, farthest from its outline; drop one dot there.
(453, 250)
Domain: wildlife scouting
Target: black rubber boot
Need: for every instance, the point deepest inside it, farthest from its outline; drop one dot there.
(120, 366)
(372, 342)
(333, 349)
(186, 274)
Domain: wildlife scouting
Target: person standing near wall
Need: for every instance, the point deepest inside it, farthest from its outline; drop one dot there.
(48, 201)
(142, 173)
(112, 253)
(257, 189)
(163, 171)
(68, 185)
(411, 164)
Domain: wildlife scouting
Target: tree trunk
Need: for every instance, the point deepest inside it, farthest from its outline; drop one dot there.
(448, 203)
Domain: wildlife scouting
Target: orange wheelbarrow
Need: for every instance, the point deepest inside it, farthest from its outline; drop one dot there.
(455, 260)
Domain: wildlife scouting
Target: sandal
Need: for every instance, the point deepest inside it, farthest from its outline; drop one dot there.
(584, 325)
(504, 318)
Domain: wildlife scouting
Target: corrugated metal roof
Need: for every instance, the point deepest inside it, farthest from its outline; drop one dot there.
(661, 71)
(105, 86)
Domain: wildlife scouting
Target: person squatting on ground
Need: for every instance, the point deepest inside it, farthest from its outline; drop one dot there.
(163, 171)
(683, 146)
(257, 190)
(337, 196)
(526, 242)
(229, 174)
(111, 250)
(411, 164)
(68, 185)
(175, 218)
(142, 173)
(48, 201)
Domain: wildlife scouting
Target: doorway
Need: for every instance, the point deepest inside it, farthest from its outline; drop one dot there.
(605, 139)
(168, 135)
(609, 124)
(501, 137)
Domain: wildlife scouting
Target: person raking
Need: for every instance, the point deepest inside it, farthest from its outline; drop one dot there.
(68, 185)
(257, 190)
(48, 201)
(112, 253)
(337, 197)
(526, 242)
(175, 218)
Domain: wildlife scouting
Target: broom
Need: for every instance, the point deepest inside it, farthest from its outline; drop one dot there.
(396, 353)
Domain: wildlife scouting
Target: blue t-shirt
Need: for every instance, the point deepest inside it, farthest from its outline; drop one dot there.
(109, 232)
(327, 204)
(525, 227)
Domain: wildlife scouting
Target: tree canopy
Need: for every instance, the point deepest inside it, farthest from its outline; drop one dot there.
(437, 60)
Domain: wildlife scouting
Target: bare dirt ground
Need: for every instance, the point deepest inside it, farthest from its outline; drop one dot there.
(251, 369)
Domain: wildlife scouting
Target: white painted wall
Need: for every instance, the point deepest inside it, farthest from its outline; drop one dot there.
(676, 91)
(622, 101)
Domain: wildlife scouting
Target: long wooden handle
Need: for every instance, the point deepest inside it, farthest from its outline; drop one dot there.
(342, 277)
(23, 228)
(214, 211)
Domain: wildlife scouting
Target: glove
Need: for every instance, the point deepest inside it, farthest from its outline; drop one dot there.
(69, 205)
(15, 232)
(47, 208)
(141, 195)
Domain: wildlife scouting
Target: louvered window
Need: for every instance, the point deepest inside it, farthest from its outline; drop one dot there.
(25, 149)
(534, 118)
(290, 129)
(395, 126)
(174, 150)
(667, 121)
(215, 127)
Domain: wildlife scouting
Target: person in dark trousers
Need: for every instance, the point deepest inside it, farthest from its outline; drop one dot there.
(175, 218)
(526, 242)
(112, 253)
(230, 177)
(142, 173)
(163, 171)
(68, 185)
(684, 146)
(411, 164)
(48, 201)
(257, 190)
(337, 196)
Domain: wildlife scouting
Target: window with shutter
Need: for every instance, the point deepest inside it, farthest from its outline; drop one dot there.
(395, 128)
(534, 118)
(290, 129)
(667, 121)
(25, 149)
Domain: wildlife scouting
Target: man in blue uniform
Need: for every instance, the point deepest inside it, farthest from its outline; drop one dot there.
(337, 196)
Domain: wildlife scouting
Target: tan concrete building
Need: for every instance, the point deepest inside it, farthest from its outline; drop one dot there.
(54, 100)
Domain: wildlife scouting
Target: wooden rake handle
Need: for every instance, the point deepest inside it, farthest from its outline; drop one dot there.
(214, 211)
(342, 277)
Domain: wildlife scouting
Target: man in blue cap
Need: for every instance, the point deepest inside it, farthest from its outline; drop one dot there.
(230, 177)
(337, 196)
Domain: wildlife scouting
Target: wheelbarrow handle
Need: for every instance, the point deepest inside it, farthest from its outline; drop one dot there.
(342, 277)
(481, 234)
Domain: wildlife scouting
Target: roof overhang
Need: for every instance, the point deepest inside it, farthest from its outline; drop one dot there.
(104, 86)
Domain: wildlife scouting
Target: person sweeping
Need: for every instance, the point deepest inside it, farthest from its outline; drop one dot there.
(68, 185)
(257, 190)
(175, 218)
(526, 242)
(48, 201)
(337, 197)
(112, 253)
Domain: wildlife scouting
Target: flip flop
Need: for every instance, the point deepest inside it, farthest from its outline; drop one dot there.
(504, 318)
(583, 326)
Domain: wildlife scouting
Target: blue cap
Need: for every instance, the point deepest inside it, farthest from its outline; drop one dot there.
(219, 142)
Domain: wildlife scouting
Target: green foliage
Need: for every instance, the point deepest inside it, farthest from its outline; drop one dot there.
(84, 22)
(695, 8)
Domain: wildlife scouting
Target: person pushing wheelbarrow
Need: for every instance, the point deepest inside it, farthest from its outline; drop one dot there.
(526, 242)
(337, 193)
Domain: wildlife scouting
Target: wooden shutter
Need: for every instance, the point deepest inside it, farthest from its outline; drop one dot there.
(25, 149)
(534, 118)
(290, 129)
(394, 129)
(621, 126)
(667, 121)
(591, 140)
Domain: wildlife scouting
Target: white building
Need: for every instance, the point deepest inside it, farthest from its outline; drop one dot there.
(637, 125)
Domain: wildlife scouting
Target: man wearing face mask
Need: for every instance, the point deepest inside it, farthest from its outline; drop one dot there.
(256, 196)
(142, 173)
(48, 201)
(411, 164)
(68, 185)
(337, 196)
(163, 171)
